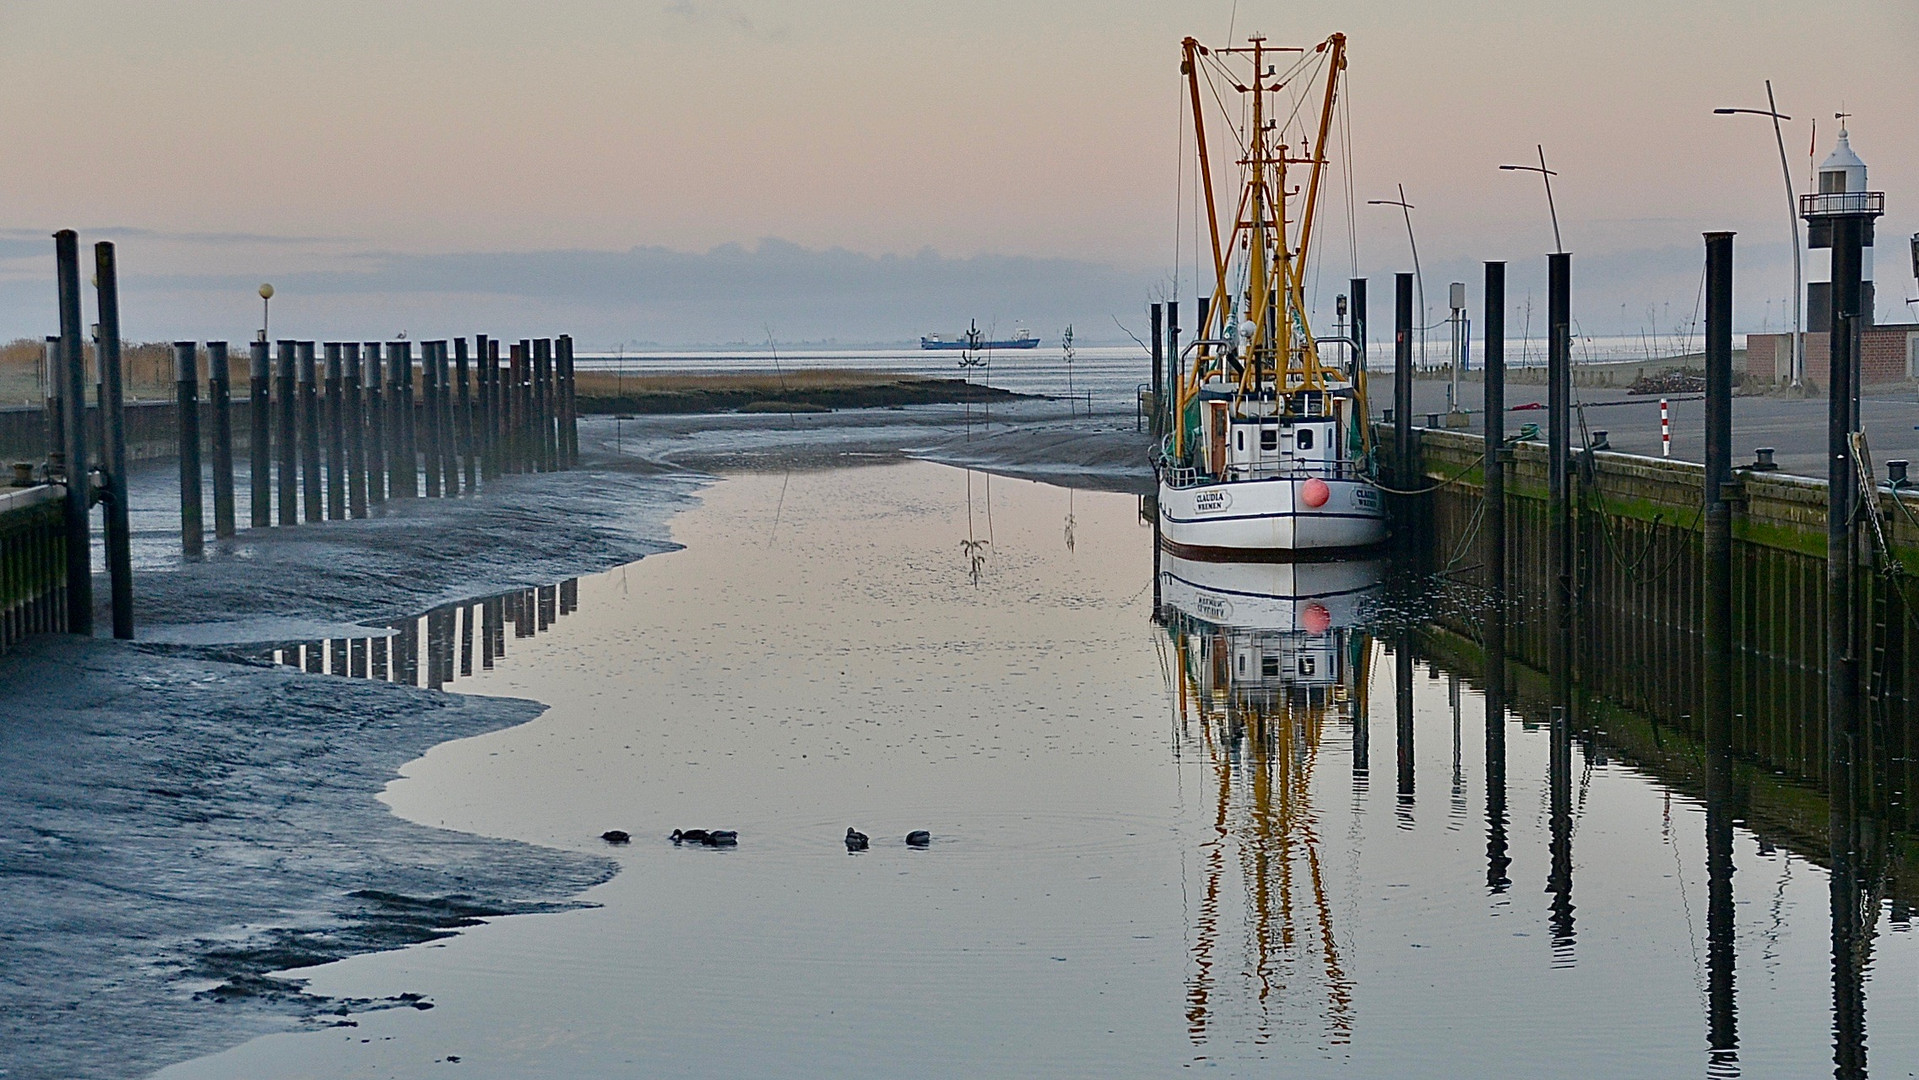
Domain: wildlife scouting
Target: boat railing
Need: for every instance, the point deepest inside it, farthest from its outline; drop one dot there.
(1182, 476)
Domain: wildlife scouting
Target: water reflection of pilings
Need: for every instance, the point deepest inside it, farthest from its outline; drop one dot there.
(1559, 878)
(450, 634)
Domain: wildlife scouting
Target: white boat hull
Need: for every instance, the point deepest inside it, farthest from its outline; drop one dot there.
(1269, 516)
(1284, 596)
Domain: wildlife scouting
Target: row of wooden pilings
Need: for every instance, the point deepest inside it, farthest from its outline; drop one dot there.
(338, 429)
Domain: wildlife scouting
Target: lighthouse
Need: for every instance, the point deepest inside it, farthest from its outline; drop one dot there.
(1842, 173)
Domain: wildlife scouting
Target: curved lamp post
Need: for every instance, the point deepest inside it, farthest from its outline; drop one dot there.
(1546, 175)
(1419, 279)
(1792, 216)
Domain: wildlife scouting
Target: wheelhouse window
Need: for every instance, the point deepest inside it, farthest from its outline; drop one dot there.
(1304, 438)
(1269, 438)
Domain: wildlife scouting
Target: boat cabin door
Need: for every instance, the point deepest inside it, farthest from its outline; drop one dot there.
(1216, 438)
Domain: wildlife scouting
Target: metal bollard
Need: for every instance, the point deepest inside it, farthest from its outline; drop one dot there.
(220, 391)
(335, 432)
(309, 432)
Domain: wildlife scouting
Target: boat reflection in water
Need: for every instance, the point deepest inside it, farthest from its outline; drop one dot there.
(1263, 658)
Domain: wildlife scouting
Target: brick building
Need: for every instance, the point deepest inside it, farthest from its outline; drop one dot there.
(1888, 353)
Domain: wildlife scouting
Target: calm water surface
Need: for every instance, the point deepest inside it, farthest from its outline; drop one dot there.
(1159, 847)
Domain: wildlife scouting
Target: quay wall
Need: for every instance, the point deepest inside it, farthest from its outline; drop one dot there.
(33, 563)
(1637, 605)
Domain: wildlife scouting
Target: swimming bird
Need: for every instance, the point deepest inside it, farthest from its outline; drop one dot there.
(722, 838)
(688, 836)
(919, 838)
(615, 836)
(855, 839)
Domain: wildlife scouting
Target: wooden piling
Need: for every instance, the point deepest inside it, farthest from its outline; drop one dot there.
(287, 437)
(403, 463)
(516, 404)
(259, 433)
(310, 484)
(449, 423)
(73, 386)
(113, 449)
(186, 396)
(469, 468)
(430, 415)
(353, 391)
(220, 395)
(335, 432)
(542, 405)
(487, 363)
(571, 398)
(377, 434)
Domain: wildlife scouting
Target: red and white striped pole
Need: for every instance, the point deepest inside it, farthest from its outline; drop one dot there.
(1665, 429)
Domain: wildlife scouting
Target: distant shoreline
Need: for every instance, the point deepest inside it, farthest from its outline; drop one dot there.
(804, 390)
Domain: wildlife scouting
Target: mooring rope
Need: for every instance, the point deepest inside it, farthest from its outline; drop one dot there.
(1448, 482)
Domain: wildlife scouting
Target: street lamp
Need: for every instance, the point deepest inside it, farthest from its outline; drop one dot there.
(1546, 175)
(1419, 280)
(266, 298)
(1792, 216)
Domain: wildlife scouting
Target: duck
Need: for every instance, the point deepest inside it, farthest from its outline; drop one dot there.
(919, 838)
(855, 839)
(722, 838)
(615, 836)
(688, 836)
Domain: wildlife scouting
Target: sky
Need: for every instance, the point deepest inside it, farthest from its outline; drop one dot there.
(684, 171)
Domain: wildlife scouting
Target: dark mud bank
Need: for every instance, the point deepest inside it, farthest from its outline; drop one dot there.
(173, 828)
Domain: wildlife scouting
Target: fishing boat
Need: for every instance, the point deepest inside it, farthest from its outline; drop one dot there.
(974, 341)
(1268, 439)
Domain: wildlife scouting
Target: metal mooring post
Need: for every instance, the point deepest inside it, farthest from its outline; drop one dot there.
(1558, 476)
(260, 433)
(1153, 319)
(449, 444)
(186, 395)
(113, 435)
(1717, 578)
(1403, 476)
(1176, 371)
(73, 394)
(1356, 289)
(1847, 230)
(1494, 537)
(1721, 1026)
(1403, 717)
(220, 395)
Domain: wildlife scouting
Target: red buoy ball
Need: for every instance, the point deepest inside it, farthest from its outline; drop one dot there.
(1314, 493)
(1315, 619)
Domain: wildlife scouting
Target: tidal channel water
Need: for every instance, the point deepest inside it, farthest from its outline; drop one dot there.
(1159, 845)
